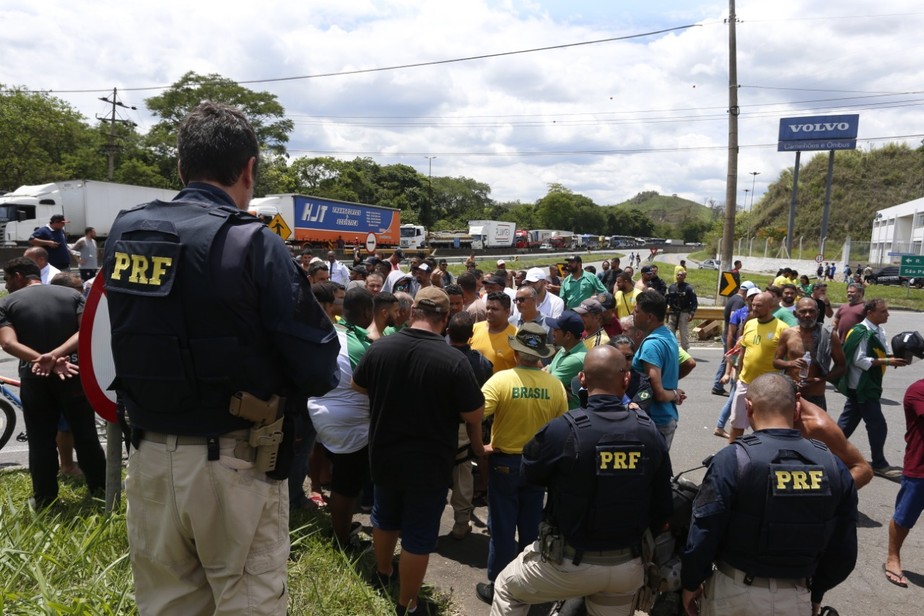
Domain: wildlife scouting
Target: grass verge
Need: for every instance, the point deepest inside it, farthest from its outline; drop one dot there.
(73, 560)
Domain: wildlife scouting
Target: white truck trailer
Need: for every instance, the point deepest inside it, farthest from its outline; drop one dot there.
(85, 203)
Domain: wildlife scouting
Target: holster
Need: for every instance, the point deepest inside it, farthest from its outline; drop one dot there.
(551, 544)
(262, 445)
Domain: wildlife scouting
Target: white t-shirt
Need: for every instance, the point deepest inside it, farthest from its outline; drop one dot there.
(341, 417)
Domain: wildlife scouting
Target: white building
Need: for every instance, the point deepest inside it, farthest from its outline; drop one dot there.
(897, 230)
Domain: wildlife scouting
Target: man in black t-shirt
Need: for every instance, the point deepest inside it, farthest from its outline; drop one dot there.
(419, 387)
(39, 325)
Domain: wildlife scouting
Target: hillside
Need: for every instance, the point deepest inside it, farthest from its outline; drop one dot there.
(863, 182)
(673, 210)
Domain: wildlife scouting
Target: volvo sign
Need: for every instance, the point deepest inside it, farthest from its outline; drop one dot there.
(818, 133)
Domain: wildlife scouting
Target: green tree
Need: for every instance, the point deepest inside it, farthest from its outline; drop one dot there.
(42, 139)
(263, 110)
(559, 209)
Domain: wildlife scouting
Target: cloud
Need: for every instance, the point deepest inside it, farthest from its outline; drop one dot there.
(606, 120)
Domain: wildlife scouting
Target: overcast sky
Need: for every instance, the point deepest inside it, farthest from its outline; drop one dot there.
(605, 119)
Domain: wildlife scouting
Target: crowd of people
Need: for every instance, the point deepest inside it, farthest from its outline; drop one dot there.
(247, 376)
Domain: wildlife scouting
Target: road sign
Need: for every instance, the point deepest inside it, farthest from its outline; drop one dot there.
(278, 226)
(911, 266)
(819, 258)
(728, 285)
(97, 368)
(371, 242)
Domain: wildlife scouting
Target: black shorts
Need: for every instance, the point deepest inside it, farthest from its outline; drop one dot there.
(349, 472)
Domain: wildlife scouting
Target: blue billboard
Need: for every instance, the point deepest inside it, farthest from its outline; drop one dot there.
(838, 132)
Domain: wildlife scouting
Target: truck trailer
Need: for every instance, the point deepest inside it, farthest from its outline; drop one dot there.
(327, 222)
(84, 203)
(491, 233)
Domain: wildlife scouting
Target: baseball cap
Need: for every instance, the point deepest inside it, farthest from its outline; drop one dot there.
(575, 258)
(748, 285)
(569, 321)
(535, 274)
(360, 269)
(58, 218)
(531, 338)
(495, 280)
(501, 262)
(589, 306)
(646, 269)
(753, 292)
(400, 255)
(424, 267)
(607, 301)
(432, 299)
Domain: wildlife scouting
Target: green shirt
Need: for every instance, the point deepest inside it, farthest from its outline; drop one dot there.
(391, 329)
(357, 341)
(786, 316)
(574, 291)
(565, 366)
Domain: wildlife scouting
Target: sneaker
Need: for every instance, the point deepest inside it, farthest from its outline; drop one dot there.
(718, 391)
(460, 530)
(888, 472)
(485, 592)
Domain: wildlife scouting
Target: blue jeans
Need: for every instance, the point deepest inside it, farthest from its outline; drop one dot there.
(726, 409)
(876, 428)
(720, 370)
(514, 511)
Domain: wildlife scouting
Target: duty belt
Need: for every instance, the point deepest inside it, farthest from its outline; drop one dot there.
(209, 442)
(761, 582)
(600, 557)
(181, 439)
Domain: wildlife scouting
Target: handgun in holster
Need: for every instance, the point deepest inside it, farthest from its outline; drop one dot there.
(551, 544)
(262, 445)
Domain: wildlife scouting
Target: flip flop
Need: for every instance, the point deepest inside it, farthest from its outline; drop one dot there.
(895, 578)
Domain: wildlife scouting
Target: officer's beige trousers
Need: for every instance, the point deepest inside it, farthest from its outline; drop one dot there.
(724, 596)
(608, 590)
(205, 537)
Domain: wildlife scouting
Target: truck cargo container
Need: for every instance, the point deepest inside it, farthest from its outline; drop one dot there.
(328, 222)
(491, 233)
(84, 203)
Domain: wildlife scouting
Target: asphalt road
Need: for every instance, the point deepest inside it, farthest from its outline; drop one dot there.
(458, 565)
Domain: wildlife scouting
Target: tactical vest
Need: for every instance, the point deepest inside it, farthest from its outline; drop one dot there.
(184, 336)
(601, 498)
(785, 508)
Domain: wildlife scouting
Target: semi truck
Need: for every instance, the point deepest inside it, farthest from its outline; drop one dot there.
(413, 236)
(318, 221)
(491, 233)
(84, 203)
(524, 239)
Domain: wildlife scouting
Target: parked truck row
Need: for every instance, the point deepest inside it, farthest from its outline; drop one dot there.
(300, 219)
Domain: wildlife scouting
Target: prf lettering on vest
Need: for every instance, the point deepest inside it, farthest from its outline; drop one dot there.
(618, 460)
(799, 480)
(144, 270)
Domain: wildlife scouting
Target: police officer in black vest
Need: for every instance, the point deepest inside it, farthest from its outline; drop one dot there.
(608, 474)
(776, 514)
(213, 324)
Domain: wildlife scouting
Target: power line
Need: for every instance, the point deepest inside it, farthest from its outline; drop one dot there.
(571, 152)
(400, 66)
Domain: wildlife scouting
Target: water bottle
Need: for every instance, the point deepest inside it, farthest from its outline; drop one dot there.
(804, 370)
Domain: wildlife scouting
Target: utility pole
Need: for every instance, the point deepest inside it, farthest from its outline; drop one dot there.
(731, 186)
(429, 190)
(111, 148)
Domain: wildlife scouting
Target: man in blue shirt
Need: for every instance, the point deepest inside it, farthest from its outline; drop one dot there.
(657, 358)
(51, 237)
